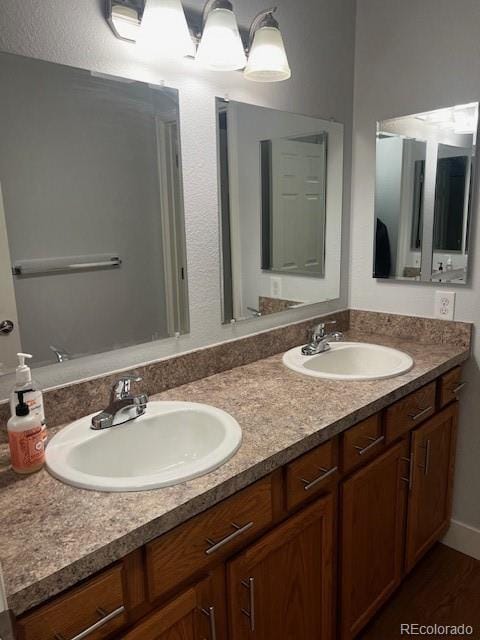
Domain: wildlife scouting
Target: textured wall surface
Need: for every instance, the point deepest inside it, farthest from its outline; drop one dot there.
(414, 56)
(320, 41)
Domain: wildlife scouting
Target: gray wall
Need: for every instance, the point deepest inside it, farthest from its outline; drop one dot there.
(320, 41)
(414, 56)
(78, 168)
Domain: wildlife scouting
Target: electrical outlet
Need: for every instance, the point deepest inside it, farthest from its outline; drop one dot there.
(275, 287)
(445, 305)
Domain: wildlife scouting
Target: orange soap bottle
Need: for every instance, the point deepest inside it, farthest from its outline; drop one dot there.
(26, 438)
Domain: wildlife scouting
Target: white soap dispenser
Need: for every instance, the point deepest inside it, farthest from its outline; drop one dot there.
(32, 394)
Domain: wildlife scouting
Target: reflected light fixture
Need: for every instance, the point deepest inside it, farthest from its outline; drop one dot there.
(125, 17)
(221, 47)
(165, 30)
(267, 60)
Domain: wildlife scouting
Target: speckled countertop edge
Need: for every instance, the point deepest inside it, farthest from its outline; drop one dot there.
(53, 535)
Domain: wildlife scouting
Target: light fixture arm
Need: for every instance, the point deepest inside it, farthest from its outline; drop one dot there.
(136, 6)
(263, 19)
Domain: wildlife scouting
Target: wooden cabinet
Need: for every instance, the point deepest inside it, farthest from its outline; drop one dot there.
(198, 612)
(97, 605)
(208, 538)
(312, 474)
(433, 453)
(362, 442)
(409, 412)
(449, 386)
(281, 587)
(373, 505)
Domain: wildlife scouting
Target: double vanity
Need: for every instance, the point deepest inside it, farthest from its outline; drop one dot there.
(328, 495)
(276, 485)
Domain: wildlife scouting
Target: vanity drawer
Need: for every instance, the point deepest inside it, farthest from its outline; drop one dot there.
(363, 441)
(409, 412)
(209, 537)
(97, 604)
(449, 386)
(312, 473)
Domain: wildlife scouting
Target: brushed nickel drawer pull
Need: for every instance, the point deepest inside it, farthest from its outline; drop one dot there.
(409, 480)
(250, 585)
(106, 617)
(420, 414)
(428, 450)
(458, 388)
(374, 441)
(238, 532)
(210, 613)
(326, 473)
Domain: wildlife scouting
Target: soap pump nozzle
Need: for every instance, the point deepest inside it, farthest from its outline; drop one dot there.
(23, 373)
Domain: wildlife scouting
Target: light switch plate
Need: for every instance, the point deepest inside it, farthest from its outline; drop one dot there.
(444, 305)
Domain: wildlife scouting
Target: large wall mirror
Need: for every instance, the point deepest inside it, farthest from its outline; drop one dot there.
(425, 172)
(281, 181)
(92, 243)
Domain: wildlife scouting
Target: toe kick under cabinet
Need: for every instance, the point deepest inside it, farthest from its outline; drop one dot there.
(310, 552)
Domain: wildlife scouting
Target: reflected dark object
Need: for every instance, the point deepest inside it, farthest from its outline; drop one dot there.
(383, 258)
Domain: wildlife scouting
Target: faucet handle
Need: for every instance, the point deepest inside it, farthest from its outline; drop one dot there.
(121, 388)
(319, 332)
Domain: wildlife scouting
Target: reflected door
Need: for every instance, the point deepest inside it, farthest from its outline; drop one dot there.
(298, 206)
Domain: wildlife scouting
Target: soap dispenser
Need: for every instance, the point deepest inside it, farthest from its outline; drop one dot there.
(26, 438)
(32, 394)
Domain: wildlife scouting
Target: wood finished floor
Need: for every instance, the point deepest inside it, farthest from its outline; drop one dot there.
(443, 589)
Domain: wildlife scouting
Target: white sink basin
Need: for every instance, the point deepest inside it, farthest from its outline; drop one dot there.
(172, 442)
(350, 361)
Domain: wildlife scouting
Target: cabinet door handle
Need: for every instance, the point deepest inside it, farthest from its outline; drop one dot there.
(238, 532)
(362, 450)
(420, 414)
(458, 388)
(428, 451)
(250, 613)
(106, 617)
(210, 613)
(409, 480)
(326, 473)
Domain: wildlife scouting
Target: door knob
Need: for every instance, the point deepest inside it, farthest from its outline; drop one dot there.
(6, 327)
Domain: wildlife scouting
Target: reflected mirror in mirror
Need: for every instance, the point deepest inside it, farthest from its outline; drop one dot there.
(281, 181)
(425, 168)
(92, 243)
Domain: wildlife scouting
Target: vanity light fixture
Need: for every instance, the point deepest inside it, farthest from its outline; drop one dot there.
(220, 47)
(125, 17)
(267, 59)
(168, 31)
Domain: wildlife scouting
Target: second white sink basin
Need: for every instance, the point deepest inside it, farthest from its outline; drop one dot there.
(170, 443)
(350, 361)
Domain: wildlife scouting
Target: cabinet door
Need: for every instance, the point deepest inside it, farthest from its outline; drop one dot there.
(282, 586)
(196, 614)
(372, 536)
(433, 456)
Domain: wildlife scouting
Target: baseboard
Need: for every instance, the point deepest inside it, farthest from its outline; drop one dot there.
(464, 538)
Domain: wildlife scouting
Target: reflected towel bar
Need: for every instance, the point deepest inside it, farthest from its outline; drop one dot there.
(59, 265)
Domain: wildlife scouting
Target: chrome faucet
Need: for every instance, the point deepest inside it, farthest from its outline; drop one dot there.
(123, 406)
(320, 339)
(61, 354)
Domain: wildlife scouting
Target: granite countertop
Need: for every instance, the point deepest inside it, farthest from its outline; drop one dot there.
(53, 535)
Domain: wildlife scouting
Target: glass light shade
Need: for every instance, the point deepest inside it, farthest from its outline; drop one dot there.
(221, 48)
(165, 30)
(267, 61)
